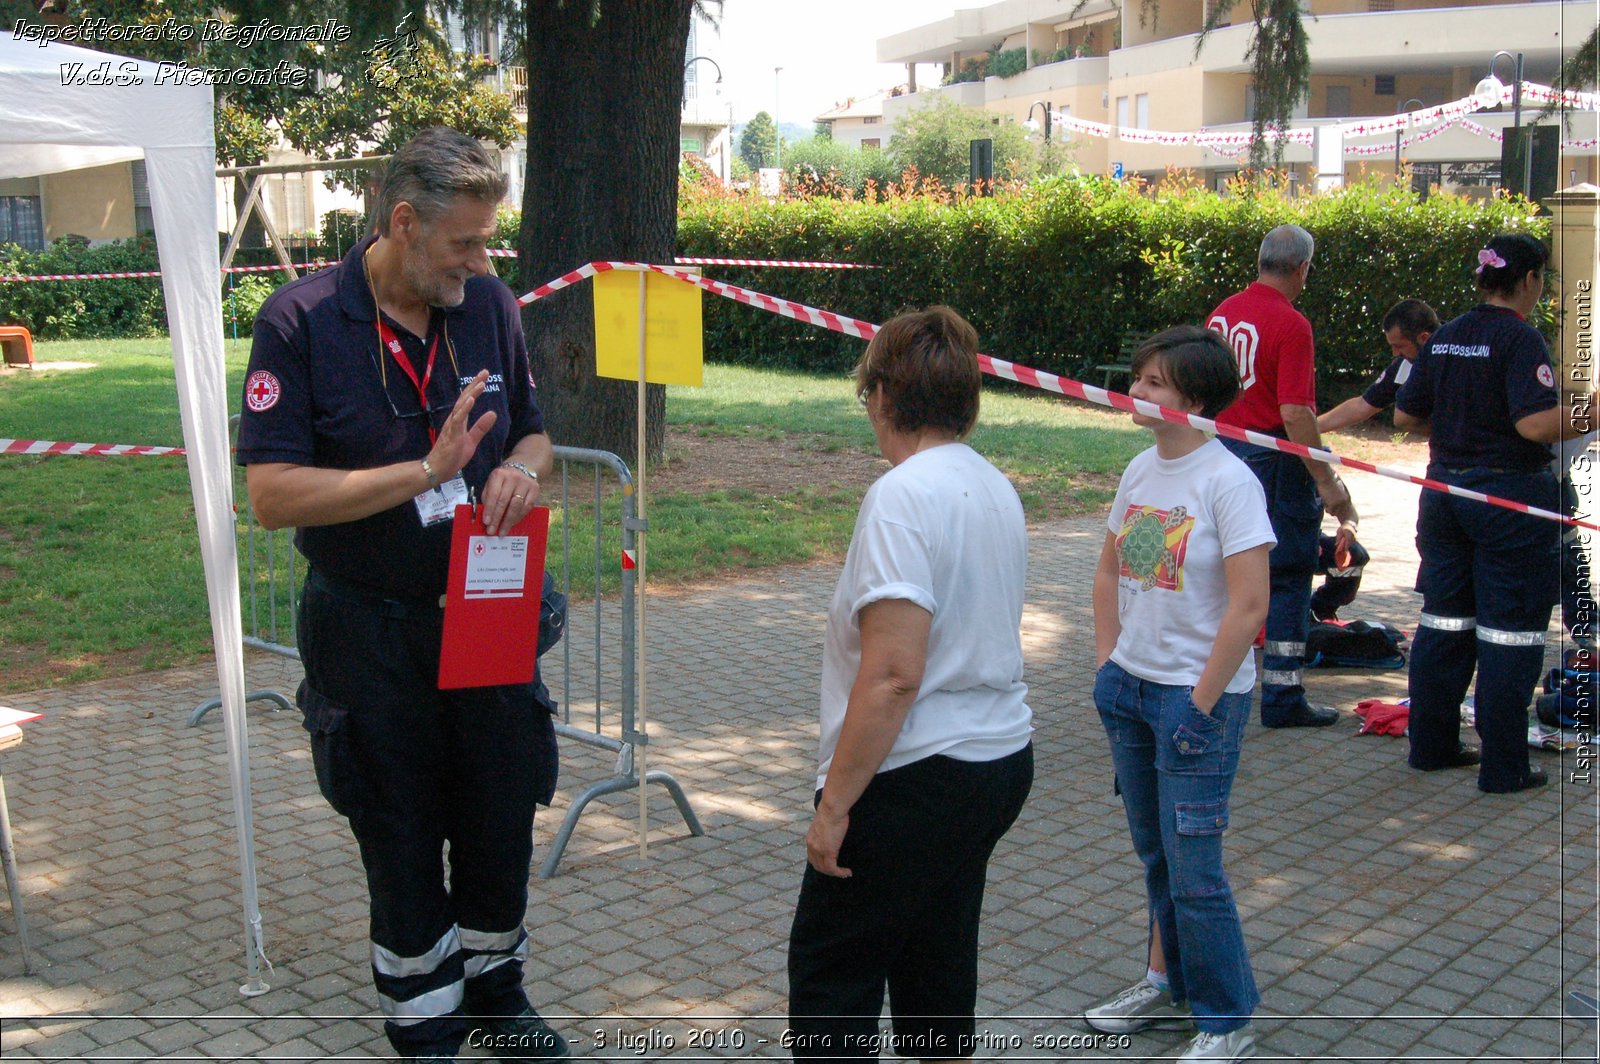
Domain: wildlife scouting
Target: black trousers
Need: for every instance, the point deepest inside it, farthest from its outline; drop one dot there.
(416, 769)
(907, 918)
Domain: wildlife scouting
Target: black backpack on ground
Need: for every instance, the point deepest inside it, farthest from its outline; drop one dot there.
(1354, 644)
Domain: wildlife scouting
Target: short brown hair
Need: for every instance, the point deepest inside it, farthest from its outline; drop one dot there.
(1199, 364)
(927, 363)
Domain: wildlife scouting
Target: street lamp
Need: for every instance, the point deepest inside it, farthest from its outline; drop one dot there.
(777, 130)
(1492, 87)
(1031, 126)
(691, 61)
(727, 164)
(1402, 109)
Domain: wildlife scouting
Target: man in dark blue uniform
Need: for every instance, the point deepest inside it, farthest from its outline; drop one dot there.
(380, 393)
(1406, 327)
(1489, 575)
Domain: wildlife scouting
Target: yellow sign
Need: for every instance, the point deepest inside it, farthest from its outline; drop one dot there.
(674, 351)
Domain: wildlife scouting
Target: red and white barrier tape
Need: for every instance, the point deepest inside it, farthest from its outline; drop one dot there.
(865, 330)
(787, 263)
(507, 253)
(319, 264)
(58, 447)
(1050, 382)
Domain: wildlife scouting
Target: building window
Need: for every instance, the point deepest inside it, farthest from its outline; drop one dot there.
(1141, 111)
(871, 120)
(1122, 112)
(22, 222)
(1338, 101)
(1383, 85)
(1380, 5)
(871, 142)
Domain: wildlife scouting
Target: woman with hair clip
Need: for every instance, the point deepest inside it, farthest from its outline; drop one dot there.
(1484, 391)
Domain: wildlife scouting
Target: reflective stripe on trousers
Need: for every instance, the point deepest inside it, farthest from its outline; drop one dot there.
(408, 987)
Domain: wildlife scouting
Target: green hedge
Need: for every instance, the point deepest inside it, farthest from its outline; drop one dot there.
(1054, 275)
(69, 310)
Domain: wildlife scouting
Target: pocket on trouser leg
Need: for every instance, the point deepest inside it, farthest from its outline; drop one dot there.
(1197, 868)
(332, 750)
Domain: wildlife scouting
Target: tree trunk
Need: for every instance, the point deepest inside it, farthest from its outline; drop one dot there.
(604, 89)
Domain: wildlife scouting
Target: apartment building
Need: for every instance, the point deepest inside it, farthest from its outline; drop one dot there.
(1109, 63)
(858, 122)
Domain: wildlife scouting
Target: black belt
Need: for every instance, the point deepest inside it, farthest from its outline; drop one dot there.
(374, 599)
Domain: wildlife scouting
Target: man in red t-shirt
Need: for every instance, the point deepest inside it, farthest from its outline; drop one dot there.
(1278, 395)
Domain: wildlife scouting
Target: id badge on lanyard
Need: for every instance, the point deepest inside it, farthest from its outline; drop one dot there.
(436, 505)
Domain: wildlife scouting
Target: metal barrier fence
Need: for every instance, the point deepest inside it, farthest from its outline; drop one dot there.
(592, 666)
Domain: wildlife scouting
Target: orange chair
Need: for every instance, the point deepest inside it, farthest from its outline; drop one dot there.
(17, 344)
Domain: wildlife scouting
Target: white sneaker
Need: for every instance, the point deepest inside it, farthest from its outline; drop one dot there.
(1233, 1046)
(1141, 1007)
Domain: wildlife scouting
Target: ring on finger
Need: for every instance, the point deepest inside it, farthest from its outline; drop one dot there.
(516, 496)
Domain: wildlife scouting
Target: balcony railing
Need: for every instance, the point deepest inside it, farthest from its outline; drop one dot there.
(514, 83)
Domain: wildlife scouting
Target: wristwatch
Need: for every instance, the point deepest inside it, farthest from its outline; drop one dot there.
(520, 468)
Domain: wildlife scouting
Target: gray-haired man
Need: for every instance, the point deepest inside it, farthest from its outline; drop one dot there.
(379, 393)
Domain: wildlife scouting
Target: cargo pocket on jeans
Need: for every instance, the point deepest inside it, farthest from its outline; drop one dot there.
(332, 752)
(1202, 818)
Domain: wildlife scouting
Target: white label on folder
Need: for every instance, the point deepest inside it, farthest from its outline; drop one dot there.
(497, 566)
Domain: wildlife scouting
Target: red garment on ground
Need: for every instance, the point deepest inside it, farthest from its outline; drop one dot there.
(1382, 718)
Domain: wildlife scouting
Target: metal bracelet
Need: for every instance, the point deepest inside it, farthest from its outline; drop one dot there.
(520, 468)
(427, 471)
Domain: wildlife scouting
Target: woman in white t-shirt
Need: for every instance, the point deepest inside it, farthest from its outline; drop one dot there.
(1179, 595)
(925, 756)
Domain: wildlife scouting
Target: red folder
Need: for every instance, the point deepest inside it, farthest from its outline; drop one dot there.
(491, 612)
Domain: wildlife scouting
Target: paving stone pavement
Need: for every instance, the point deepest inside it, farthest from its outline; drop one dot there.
(1391, 915)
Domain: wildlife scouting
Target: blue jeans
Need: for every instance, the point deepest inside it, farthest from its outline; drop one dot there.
(1489, 578)
(1296, 513)
(1175, 768)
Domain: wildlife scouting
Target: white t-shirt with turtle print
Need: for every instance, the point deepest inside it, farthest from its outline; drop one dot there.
(1175, 521)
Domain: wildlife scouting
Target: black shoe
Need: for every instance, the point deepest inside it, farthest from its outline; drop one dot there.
(1464, 757)
(1535, 778)
(525, 1039)
(1304, 715)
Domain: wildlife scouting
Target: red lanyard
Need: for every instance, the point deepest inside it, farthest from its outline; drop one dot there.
(392, 343)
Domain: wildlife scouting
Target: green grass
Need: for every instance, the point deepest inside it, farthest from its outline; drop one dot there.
(100, 569)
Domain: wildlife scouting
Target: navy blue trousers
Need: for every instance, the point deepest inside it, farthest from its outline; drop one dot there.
(416, 770)
(1295, 510)
(1489, 578)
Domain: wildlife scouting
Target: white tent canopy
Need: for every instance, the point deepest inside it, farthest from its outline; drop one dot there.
(48, 125)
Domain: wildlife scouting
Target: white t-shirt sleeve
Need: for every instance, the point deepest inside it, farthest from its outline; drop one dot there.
(893, 561)
(1241, 517)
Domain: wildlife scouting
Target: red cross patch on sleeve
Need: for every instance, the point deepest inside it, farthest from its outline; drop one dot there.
(262, 391)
